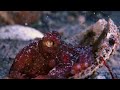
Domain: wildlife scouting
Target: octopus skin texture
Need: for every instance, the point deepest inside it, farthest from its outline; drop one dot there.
(50, 58)
(38, 58)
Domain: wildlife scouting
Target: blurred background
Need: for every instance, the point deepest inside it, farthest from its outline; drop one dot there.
(54, 19)
(67, 22)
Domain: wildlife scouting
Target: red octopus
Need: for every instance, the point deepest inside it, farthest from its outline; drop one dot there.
(50, 58)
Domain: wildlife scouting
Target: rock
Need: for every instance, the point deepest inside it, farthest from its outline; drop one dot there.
(100, 77)
(19, 17)
(19, 32)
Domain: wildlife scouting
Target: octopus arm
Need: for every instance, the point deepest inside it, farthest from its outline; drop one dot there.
(22, 60)
(61, 71)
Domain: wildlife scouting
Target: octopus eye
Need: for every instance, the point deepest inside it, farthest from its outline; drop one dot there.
(49, 43)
